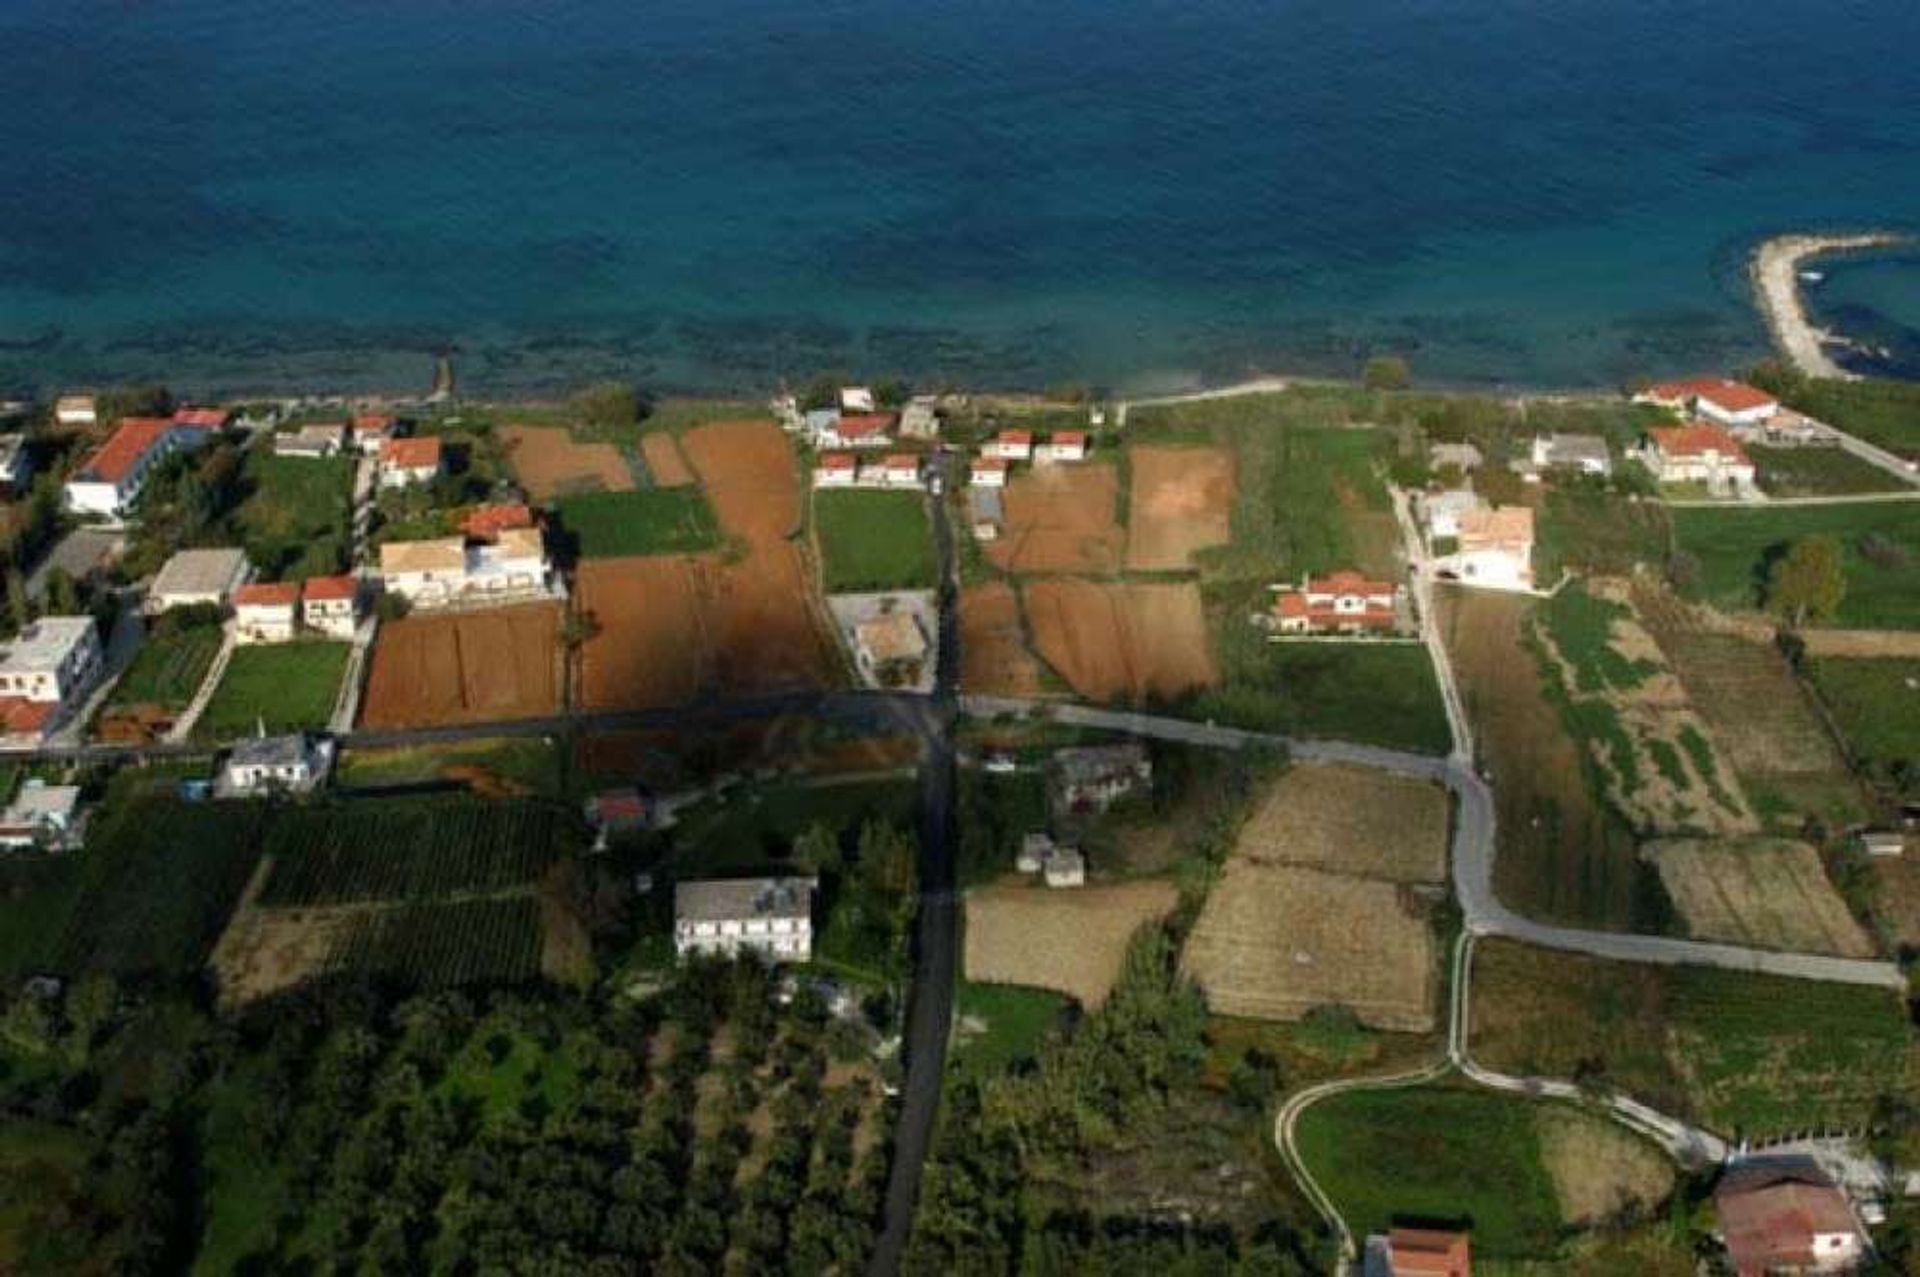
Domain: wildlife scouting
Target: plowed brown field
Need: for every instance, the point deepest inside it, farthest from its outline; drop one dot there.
(1181, 500)
(549, 462)
(1061, 519)
(664, 462)
(750, 476)
(994, 659)
(1130, 640)
(466, 668)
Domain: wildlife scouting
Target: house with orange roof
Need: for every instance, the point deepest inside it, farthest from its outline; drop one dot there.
(901, 470)
(836, 470)
(1715, 399)
(371, 432)
(855, 430)
(1009, 445)
(1344, 602)
(1063, 445)
(1698, 453)
(266, 612)
(202, 418)
(988, 472)
(330, 605)
(1786, 1215)
(404, 462)
(108, 480)
(1418, 1252)
(1495, 550)
(487, 522)
(44, 668)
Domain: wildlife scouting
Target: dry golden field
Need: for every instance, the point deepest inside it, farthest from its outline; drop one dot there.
(1072, 940)
(1772, 893)
(1353, 820)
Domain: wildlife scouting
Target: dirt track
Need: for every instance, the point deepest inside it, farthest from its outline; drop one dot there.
(1181, 500)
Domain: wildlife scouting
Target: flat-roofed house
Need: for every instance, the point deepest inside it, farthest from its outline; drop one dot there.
(920, 419)
(330, 605)
(266, 612)
(725, 917)
(513, 566)
(193, 578)
(291, 764)
(108, 480)
(44, 667)
(1063, 445)
(1344, 602)
(1715, 399)
(42, 817)
(1583, 454)
(317, 439)
(424, 572)
(889, 642)
(836, 470)
(1463, 457)
(404, 462)
(1009, 445)
(1496, 550)
(16, 465)
(988, 472)
(1698, 453)
(75, 410)
(1785, 1215)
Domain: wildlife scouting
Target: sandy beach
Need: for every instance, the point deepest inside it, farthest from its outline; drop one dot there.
(1776, 284)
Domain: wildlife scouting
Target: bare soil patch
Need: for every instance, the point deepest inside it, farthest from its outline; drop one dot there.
(1276, 941)
(550, 462)
(994, 659)
(664, 462)
(1767, 892)
(1180, 500)
(750, 477)
(1061, 518)
(1111, 640)
(466, 667)
(1073, 941)
(1599, 1171)
(1351, 820)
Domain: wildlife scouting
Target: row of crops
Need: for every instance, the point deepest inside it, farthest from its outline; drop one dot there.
(495, 940)
(409, 849)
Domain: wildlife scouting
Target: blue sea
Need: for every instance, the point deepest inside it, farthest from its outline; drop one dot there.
(704, 194)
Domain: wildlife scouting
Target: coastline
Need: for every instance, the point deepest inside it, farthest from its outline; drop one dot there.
(1775, 272)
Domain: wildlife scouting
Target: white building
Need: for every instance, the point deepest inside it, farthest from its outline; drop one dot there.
(1716, 399)
(1009, 445)
(446, 570)
(1583, 454)
(316, 439)
(43, 817)
(1065, 867)
(855, 430)
(330, 605)
(196, 578)
(1064, 445)
(371, 432)
(856, 399)
(1463, 457)
(75, 410)
(921, 418)
(109, 479)
(1698, 453)
(266, 612)
(1443, 510)
(291, 764)
(1496, 550)
(836, 470)
(404, 462)
(50, 660)
(772, 917)
(987, 472)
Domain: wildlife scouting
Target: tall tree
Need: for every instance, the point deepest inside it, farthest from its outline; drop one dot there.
(1805, 585)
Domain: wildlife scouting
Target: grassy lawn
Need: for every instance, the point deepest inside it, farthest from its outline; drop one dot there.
(1876, 703)
(1380, 693)
(603, 525)
(874, 541)
(754, 830)
(1880, 555)
(524, 763)
(286, 686)
(1817, 472)
(1591, 530)
(1436, 1154)
(168, 668)
(296, 520)
(1742, 1054)
(1012, 1023)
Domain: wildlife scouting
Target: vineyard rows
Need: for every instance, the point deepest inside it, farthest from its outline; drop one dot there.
(407, 850)
(465, 942)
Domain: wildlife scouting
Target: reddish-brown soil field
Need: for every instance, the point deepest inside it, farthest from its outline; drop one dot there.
(1180, 500)
(1061, 518)
(466, 668)
(1121, 640)
(994, 659)
(549, 462)
(664, 462)
(742, 623)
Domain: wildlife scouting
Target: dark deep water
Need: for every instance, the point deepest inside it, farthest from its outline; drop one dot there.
(1133, 192)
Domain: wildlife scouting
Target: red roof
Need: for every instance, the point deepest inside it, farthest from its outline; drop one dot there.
(1697, 440)
(1427, 1252)
(328, 589)
(861, 424)
(1732, 396)
(1770, 1215)
(1292, 604)
(620, 807)
(903, 461)
(115, 459)
(411, 454)
(839, 461)
(22, 716)
(1070, 439)
(487, 522)
(202, 418)
(1347, 581)
(1014, 438)
(372, 423)
(260, 594)
(990, 464)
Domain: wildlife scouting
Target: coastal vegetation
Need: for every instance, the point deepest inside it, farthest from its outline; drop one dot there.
(873, 541)
(1734, 550)
(1880, 410)
(296, 517)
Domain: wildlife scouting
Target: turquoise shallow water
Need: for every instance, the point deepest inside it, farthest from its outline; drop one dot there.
(1133, 192)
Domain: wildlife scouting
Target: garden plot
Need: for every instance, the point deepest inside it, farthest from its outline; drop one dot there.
(1180, 501)
(1121, 640)
(549, 462)
(1772, 893)
(994, 660)
(1635, 719)
(1073, 941)
(1354, 820)
(1061, 518)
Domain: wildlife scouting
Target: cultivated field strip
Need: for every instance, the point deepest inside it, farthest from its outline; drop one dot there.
(407, 850)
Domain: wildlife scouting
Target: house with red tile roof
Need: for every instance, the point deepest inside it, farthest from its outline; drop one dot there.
(855, 430)
(1716, 399)
(1418, 1252)
(988, 472)
(404, 462)
(329, 605)
(836, 470)
(372, 430)
(1495, 549)
(901, 470)
(1785, 1215)
(45, 667)
(1698, 453)
(202, 418)
(1063, 445)
(487, 522)
(266, 612)
(1345, 602)
(1009, 445)
(108, 480)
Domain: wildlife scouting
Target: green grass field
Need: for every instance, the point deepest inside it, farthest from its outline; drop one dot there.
(529, 763)
(1880, 555)
(1877, 410)
(874, 541)
(1436, 1154)
(1590, 530)
(286, 686)
(168, 668)
(1015, 1021)
(1741, 1054)
(296, 520)
(603, 525)
(754, 831)
(1380, 693)
(1817, 472)
(1875, 701)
